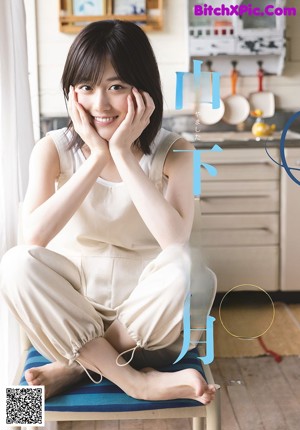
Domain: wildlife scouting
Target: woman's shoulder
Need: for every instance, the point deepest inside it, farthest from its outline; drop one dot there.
(165, 140)
(61, 139)
(162, 155)
(160, 138)
(44, 157)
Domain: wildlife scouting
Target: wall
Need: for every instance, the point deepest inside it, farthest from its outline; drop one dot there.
(170, 47)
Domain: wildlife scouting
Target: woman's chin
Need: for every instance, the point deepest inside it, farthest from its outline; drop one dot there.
(105, 133)
(106, 136)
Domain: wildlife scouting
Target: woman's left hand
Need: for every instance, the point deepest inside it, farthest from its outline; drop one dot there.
(140, 109)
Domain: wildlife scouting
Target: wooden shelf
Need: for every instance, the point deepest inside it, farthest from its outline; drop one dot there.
(152, 20)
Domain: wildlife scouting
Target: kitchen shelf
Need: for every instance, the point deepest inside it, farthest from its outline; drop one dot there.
(221, 39)
(152, 20)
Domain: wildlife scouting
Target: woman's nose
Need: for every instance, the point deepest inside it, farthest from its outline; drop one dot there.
(101, 100)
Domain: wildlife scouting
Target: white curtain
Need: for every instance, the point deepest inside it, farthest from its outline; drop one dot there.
(16, 142)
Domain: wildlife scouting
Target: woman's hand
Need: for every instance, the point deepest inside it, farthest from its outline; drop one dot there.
(83, 126)
(140, 109)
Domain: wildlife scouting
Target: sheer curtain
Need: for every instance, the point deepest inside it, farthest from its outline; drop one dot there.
(16, 141)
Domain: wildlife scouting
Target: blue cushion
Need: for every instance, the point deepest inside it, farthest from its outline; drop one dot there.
(106, 396)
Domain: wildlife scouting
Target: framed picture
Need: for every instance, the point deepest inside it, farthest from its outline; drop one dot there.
(129, 7)
(88, 7)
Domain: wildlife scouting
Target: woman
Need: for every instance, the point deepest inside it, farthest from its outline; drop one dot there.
(107, 217)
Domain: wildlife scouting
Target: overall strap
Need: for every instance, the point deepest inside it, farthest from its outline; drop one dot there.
(158, 161)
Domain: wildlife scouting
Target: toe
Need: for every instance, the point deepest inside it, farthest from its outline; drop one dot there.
(29, 375)
(32, 376)
(208, 395)
(211, 389)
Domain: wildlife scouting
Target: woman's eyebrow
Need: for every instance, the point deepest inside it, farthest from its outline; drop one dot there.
(114, 78)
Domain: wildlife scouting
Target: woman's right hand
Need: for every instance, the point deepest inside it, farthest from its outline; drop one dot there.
(82, 125)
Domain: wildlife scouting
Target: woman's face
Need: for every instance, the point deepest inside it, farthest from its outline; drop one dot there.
(106, 103)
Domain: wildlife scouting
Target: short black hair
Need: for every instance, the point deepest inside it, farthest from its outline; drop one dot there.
(128, 48)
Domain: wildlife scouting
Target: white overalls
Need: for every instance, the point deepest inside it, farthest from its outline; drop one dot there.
(104, 264)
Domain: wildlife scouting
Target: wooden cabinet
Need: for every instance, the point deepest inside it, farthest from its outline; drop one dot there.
(290, 224)
(240, 218)
(72, 22)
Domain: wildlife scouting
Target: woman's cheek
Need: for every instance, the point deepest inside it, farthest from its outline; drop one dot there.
(124, 103)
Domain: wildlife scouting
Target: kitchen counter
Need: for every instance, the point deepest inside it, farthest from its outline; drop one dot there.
(242, 139)
(250, 209)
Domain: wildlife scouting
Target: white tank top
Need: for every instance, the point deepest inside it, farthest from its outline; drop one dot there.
(107, 221)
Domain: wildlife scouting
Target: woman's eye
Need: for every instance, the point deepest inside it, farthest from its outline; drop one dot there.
(116, 87)
(85, 87)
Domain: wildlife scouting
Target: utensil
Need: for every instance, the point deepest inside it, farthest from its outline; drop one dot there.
(206, 115)
(237, 107)
(262, 100)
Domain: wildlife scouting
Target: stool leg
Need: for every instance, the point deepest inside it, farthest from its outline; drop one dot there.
(198, 423)
(213, 413)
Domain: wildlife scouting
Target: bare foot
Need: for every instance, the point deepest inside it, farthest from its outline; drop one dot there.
(184, 384)
(56, 377)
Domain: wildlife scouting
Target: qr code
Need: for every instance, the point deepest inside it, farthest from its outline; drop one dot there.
(25, 405)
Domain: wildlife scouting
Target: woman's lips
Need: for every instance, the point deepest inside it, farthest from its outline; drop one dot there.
(105, 120)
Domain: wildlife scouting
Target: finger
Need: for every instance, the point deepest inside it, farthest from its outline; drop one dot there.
(80, 113)
(69, 102)
(130, 111)
(148, 100)
(149, 108)
(84, 117)
(72, 95)
(149, 103)
(72, 104)
(140, 104)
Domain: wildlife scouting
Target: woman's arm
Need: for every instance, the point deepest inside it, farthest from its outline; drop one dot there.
(168, 218)
(45, 212)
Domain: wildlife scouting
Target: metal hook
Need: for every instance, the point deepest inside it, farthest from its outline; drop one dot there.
(234, 64)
